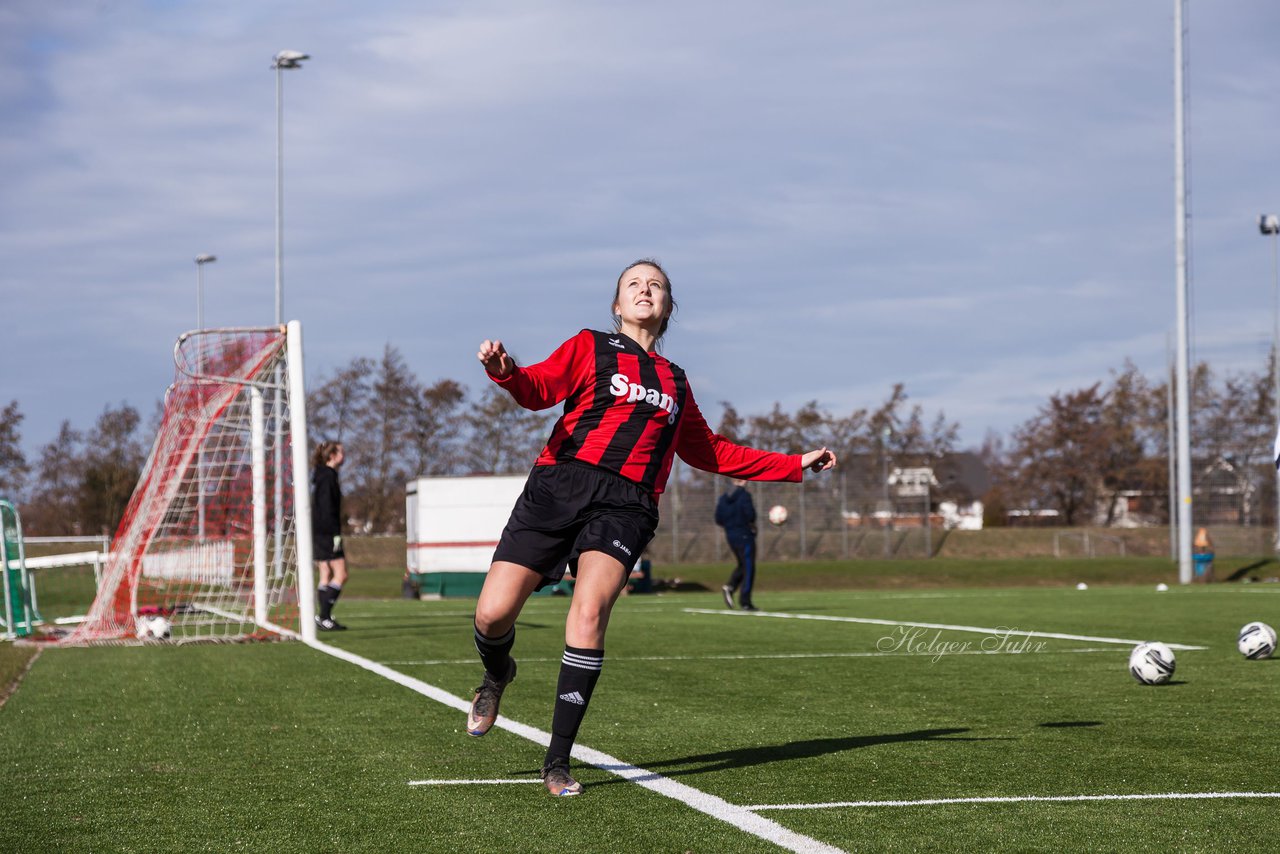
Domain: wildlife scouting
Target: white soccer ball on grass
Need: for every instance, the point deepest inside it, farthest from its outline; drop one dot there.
(154, 628)
(1152, 663)
(777, 514)
(1257, 640)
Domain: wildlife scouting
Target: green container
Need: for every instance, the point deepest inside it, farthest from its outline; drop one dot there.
(441, 585)
(18, 613)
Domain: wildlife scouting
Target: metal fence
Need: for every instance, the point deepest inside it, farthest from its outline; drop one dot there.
(838, 516)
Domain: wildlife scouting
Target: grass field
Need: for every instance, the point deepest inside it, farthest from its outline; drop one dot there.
(710, 731)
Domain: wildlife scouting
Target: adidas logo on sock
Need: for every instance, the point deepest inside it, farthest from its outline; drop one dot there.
(573, 697)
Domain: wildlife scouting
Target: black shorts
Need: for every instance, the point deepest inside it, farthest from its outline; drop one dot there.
(322, 548)
(571, 508)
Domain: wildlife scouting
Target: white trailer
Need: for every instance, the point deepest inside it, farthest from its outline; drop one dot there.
(452, 527)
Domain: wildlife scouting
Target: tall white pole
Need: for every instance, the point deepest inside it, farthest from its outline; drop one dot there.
(1172, 444)
(1180, 230)
(1275, 358)
(301, 491)
(200, 368)
(279, 194)
(201, 260)
(884, 485)
(1269, 225)
(284, 60)
(277, 415)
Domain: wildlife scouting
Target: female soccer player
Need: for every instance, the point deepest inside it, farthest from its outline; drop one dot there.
(326, 531)
(591, 500)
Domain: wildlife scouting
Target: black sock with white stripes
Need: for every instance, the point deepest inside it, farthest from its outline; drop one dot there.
(323, 599)
(495, 653)
(579, 672)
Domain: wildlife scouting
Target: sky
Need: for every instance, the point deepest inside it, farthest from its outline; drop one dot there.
(973, 199)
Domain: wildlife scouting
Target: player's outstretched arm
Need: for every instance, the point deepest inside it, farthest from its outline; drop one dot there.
(495, 359)
(822, 459)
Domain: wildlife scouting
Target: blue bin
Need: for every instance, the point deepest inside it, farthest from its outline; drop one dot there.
(1203, 563)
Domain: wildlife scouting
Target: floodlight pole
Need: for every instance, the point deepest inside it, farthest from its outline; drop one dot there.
(1172, 443)
(884, 482)
(283, 61)
(1180, 251)
(1269, 224)
(201, 260)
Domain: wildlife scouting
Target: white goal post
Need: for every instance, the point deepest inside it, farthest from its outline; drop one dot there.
(216, 538)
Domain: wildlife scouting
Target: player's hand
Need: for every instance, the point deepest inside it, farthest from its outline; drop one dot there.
(495, 359)
(820, 460)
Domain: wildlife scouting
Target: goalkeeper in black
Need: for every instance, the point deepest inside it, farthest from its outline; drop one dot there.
(326, 532)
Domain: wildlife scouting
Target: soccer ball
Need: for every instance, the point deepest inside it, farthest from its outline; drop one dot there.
(154, 628)
(1257, 640)
(777, 514)
(1151, 663)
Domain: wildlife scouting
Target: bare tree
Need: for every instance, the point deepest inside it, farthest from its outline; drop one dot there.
(435, 428)
(112, 461)
(504, 437)
(13, 463)
(52, 508)
(732, 425)
(335, 406)
(1061, 456)
(379, 461)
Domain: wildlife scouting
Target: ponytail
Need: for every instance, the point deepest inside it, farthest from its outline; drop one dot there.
(323, 452)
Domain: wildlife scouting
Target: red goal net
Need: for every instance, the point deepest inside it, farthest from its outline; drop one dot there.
(208, 546)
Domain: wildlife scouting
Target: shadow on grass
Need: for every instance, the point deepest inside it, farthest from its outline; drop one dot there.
(1248, 568)
(744, 757)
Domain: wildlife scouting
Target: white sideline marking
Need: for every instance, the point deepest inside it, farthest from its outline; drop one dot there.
(757, 657)
(718, 808)
(1169, 796)
(469, 782)
(1001, 630)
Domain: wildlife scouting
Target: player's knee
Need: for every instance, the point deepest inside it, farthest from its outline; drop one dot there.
(492, 622)
(588, 621)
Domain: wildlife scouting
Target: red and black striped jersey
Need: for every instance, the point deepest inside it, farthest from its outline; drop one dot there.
(630, 411)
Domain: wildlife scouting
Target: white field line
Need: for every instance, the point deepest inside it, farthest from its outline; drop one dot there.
(614, 659)
(1168, 796)
(718, 808)
(471, 782)
(999, 630)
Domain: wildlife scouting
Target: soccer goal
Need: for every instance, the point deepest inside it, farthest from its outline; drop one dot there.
(215, 543)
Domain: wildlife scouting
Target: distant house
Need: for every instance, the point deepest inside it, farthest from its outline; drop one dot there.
(1226, 492)
(947, 495)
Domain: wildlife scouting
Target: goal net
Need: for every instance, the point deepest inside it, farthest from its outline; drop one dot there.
(215, 543)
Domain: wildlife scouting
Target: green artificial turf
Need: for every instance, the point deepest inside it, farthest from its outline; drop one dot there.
(280, 747)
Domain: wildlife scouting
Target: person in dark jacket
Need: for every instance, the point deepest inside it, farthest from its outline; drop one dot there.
(736, 513)
(326, 532)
